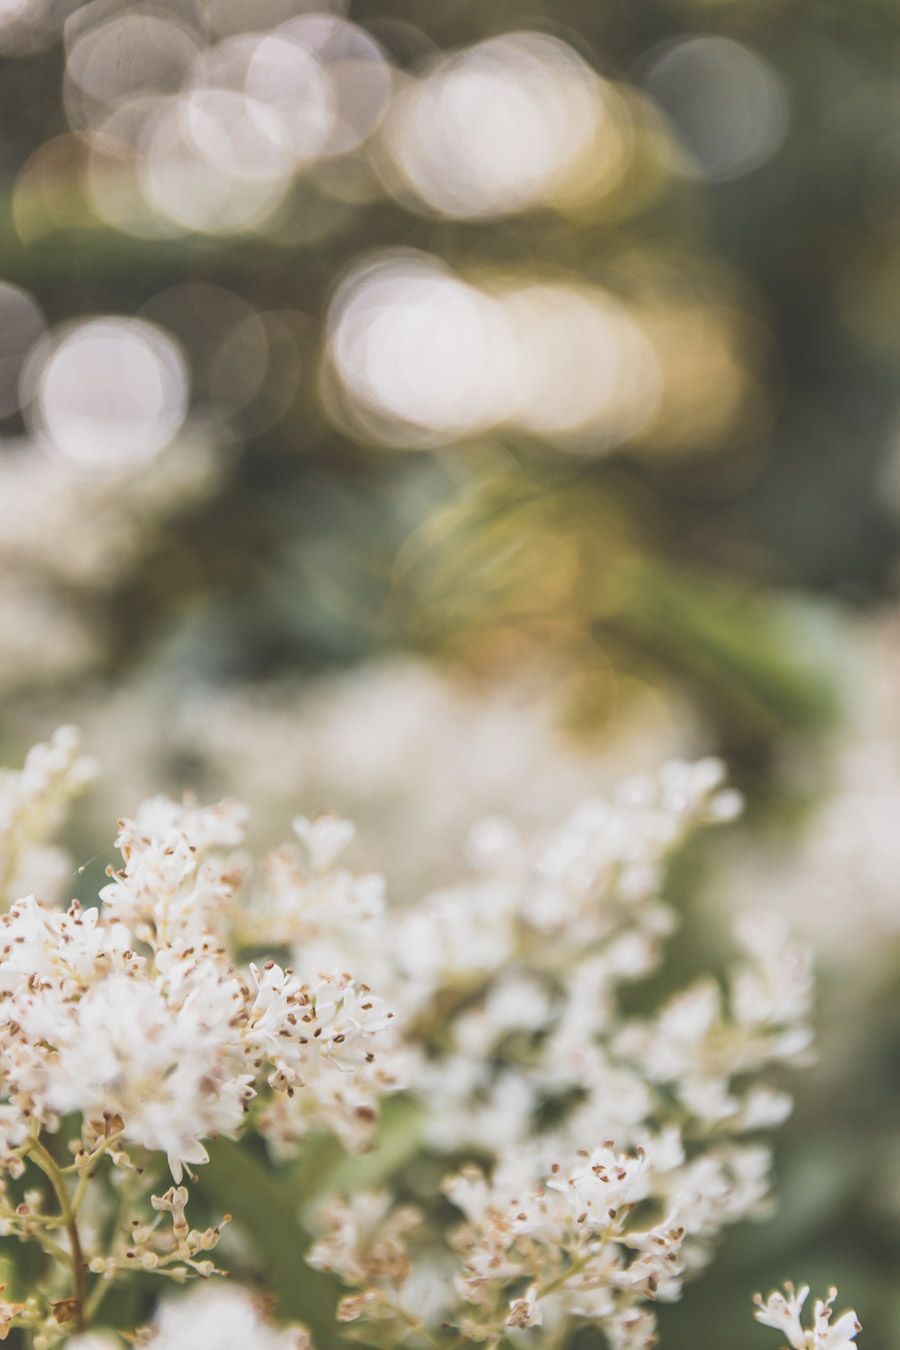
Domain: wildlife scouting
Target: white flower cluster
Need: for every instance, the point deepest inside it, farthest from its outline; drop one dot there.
(33, 801)
(836, 872)
(136, 1012)
(616, 1143)
(784, 1313)
(593, 1154)
(138, 1022)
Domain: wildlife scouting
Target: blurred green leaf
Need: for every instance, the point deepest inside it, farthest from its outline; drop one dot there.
(754, 656)
(266, 1211)
(325, 1168)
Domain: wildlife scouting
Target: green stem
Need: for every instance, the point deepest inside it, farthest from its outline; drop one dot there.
(49, 1166)
(98, 1294)
(577, 1266)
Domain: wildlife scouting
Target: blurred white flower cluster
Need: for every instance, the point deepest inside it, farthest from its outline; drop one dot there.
(33, 802)
(836, 875)
(415, 757)
(585, 1158)
(208, 1318)
(50, 557)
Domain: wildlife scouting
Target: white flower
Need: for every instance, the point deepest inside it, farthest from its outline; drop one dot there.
(598, 1188)
(325, 839)
(137, 1014)
(174, 889)
(214, 1316)
(783, 1313)
(526, 1311)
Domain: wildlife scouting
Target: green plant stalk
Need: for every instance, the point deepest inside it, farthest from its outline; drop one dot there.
(48, 1165)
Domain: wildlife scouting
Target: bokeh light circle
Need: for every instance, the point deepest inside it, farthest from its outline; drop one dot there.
(727, 103)
(415, 345)
(106, 394)
(496, 127)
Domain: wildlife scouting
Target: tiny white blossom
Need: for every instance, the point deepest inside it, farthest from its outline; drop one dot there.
(783, 1312)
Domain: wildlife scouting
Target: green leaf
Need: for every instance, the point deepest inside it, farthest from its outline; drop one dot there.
(759, 658)
(398, 1138)
(265, 1209)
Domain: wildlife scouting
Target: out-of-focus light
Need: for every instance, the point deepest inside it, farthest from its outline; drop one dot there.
(48, 193)
(499, 126)
(112, 178)
(21, 324)
(727, 104)
(239, 136)
(106, 394)
(280, 75)
(418, 357)
(13, 11)
(226, 17)
(182, 137)
(129, 55)
(706, 356)
(585, 369)
(360, 74)
(28, 26)
(214, 161)
(425, 357)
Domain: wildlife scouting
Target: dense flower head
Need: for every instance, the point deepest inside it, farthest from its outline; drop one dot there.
(140, 1012)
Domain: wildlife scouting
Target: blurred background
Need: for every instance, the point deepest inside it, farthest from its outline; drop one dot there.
(429, 410)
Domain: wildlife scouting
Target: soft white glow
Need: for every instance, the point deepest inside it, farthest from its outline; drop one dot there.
(18, 11)
(496, 127)
(279, 75)
(114, 181)
(415, 345)
(28, 26)
(107, 393)
(585, 367)
(184, 136)
(358, 70)
(726, 102)
(214, 161)
(423, 357)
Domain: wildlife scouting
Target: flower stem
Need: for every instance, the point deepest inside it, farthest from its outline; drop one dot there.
(49, 1166)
